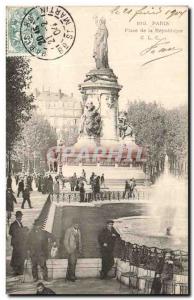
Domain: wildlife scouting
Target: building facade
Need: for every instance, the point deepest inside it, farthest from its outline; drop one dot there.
(61, 110)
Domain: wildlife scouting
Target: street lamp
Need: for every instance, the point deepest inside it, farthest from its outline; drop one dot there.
(59, 158)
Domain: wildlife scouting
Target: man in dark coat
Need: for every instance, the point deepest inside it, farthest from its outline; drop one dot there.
(82, 192)
(20, 187)
(10, 199)
(29, 182)
(43, 290)
(50, 185)
(9, 182)
(127, 189)
(26, 197)
(73, 181)
(96, 188)
(17, 242)
(37, 247)
(106, 239)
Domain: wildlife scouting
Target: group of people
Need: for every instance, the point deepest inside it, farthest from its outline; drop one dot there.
(29, 244)
(24, 184)
(24, 188)
(46, 184)
(96, 183)
(34, 245)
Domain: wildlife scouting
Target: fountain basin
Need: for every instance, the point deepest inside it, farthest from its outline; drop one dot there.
(145, 230)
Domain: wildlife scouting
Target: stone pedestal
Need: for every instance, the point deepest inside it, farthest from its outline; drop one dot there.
(102, 89)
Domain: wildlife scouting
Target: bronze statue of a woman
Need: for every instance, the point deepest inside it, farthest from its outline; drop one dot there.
(100, 45)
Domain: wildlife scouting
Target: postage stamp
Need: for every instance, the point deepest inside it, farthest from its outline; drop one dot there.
(47, 32)
(14, 45)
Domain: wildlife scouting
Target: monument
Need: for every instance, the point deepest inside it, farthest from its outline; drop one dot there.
(106, 138)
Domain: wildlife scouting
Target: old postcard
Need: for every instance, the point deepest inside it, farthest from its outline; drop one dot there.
(97, 150)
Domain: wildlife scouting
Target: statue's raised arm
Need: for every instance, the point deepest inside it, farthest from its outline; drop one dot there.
(100, 45)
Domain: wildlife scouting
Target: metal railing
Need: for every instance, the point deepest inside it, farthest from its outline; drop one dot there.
(145, 262)
(74, 196)
(151, 257)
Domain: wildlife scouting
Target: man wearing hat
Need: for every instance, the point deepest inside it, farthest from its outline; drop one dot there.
(37, 247)
(17, 242)
(106, 239)
(72, 243)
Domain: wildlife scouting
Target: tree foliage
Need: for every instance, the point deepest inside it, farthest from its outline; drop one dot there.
(149, 121)
(163, 131)
(177, 136)
(18, 102)
(70, 134)
(37, 136)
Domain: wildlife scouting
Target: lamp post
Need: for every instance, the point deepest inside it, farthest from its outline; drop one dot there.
(59, 156)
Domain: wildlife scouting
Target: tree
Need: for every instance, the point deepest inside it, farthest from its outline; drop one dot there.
(19, 103)
(163, 131)
(37, 137)
(177, 138)
(70, 134)
(149, 122)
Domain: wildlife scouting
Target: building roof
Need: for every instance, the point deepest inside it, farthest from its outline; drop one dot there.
(57, 98)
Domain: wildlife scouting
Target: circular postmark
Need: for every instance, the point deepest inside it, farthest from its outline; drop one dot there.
(48, 32)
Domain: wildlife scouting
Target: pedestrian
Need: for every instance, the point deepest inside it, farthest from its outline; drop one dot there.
(106, 239)
(72, 243)
(37, 247)
(10, 199)
(73, 181)
(102, 180)
(43, 290)
(92, 178)
(77, 188)
(132, 185)
(9, 182)
(20, 187)
(50, 185)
(26, 197)
(96, 188)
(44, 185)
(56, 190)
(17, 242)
(84, 173)
(156, 285)
(29, 181)
(167, 274)
(16, 179)
(127, 189)
(82, 192)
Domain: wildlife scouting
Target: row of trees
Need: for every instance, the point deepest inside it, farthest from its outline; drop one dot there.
(36, 138)
(162, 131)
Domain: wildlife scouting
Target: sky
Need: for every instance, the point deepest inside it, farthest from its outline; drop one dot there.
(163, 80)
